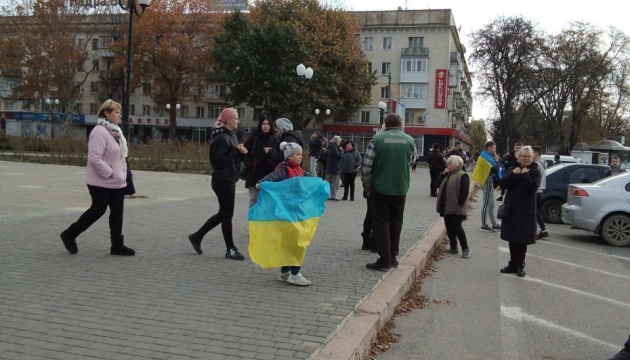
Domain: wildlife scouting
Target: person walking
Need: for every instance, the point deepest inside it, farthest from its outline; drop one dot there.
(543, 234)
(106, 179)
(350, 164)
(452, 203)
(315, 150)
(437, 164)
(226, 155)
(486, 175)
(386, 177)
(323, 158)
(519, 228)
(259, 158)
(333, 166)
(286, 170)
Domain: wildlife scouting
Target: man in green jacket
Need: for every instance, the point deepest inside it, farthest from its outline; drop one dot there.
(386, 180)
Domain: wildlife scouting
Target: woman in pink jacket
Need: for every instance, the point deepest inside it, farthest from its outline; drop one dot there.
(106, 180)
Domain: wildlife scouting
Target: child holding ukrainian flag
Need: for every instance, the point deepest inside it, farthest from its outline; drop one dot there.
(284, 220)
(486, 170)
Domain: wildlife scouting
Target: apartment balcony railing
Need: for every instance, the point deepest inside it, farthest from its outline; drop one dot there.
(423, 51)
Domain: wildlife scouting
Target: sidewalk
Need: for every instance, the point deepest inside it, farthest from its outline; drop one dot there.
(167, 302)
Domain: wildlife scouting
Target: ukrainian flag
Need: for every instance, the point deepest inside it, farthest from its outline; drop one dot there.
(284, 220)
(485, 163)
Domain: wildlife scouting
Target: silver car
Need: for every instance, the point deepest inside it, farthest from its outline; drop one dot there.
(602, 207)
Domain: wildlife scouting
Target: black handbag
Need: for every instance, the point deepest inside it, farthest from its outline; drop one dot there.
(504, 211)
(130, 189)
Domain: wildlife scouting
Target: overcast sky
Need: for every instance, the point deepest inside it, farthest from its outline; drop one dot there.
(550, 15)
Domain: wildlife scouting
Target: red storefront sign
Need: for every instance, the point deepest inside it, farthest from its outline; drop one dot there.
(441, 88)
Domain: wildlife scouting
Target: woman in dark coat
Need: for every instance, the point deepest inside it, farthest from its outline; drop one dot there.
(437, 164)
(259, 158)
(350, 163)
(521, 182)
(333, 166)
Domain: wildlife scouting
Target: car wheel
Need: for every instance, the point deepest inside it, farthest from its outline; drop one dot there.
(552, 211)
(616, 230)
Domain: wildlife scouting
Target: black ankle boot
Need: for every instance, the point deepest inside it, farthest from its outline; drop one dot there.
(520, 272)
(70, 242)
(366, 242)
(119, 248)
(509, 269)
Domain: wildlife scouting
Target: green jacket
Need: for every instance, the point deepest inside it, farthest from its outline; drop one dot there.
(387, 162)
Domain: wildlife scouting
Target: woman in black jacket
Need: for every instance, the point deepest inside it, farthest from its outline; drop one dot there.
(437, 164)
(259, 157)
(225, 157)
(519, 228)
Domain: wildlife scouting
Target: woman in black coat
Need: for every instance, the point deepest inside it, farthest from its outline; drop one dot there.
(259, 158)
(521, 182)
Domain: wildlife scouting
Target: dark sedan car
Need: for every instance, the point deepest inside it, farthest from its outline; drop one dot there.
(558, 179)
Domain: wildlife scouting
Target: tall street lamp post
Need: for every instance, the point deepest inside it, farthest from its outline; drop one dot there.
(382, 106)
(327, 114)
(305, 75)
(172, 114)
(51, 110)
(131, 7)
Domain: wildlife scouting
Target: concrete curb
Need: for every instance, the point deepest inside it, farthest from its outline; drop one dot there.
(354, 336)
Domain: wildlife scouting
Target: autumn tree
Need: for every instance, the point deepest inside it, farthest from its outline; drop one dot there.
(172, 52)
(258, 52)
(478, 134)
(505, 54)
(40, 51)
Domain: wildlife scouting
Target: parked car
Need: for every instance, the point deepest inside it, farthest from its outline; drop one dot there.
(558, 179)
(549, 159)
(602, 207)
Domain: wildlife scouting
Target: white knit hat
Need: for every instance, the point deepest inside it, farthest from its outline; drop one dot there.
(289, 148)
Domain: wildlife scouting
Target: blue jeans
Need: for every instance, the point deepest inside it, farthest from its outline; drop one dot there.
(294, 269)
(313, 166)
(334, 185)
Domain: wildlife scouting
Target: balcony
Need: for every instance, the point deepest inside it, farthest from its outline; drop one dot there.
(415, 51)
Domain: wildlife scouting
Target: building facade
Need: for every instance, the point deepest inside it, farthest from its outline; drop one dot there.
(417, 55)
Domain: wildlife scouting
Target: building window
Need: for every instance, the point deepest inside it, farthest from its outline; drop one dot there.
(408, 118)
(386, 68)
(216, 111)
(213, 91)
(414, 65)
(93, 108)
(78, 87)
(78, 107)
(368, 44)
(201, 113)
(106, 41)
(416, 42)
(146, 110)
(365, 117)
(387, 43)
(93, 87)
(81, 44)
(94, 44)
(132, 110)
(80, 66)
(96, 65)
(413, 91)
(384, 92)
(241, 113)
(146, 89)
(369, 68)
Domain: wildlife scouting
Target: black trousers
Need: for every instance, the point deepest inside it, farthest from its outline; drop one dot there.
(226, 192)
(539, 216)
(435, 173)
(517, 254)
(101, 199)
(455, 230)
(348, 180)
(387, 220)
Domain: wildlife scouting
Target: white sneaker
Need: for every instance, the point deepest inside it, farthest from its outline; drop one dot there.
(284, 276)
(298, 280)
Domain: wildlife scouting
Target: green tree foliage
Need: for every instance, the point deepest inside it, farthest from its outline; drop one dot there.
(258, 53)
(478, 135)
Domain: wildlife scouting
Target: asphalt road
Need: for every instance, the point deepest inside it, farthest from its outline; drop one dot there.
(573, 304)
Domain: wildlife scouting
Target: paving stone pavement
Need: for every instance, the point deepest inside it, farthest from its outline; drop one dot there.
(167, 302)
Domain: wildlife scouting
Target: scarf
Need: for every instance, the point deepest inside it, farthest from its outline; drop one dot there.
(115, 130)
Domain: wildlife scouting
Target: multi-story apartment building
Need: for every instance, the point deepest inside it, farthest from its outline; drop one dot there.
(417, 54)
(422, 76)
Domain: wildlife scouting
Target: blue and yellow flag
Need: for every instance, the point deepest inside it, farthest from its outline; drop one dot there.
(485, 163)
(284, 220)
